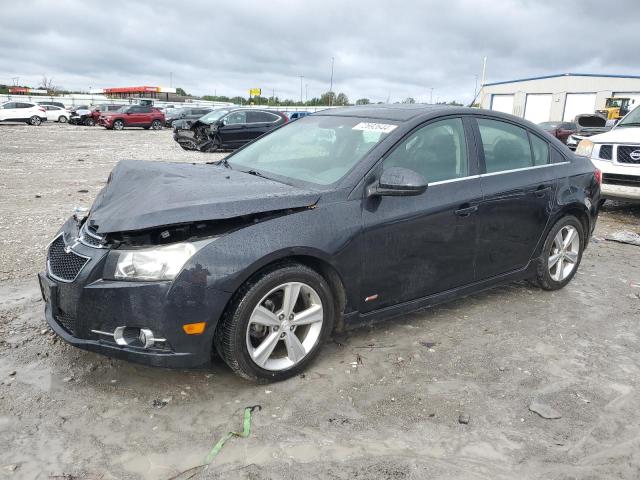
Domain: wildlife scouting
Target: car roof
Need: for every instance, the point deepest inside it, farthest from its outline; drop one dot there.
(400, 112)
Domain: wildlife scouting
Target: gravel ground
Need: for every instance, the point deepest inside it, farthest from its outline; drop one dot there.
(445, 393)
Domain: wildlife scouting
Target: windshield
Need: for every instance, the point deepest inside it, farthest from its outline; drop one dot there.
(632, 118)
(211, 117)
(315, 149)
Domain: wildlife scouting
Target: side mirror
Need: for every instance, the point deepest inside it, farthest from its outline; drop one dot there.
(398, 181)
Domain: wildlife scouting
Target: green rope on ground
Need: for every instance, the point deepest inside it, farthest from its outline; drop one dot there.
(246, 430)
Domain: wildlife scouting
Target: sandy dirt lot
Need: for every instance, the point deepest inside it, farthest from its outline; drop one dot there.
(444, 393)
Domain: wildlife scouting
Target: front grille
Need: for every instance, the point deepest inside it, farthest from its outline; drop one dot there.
(606, 152)
(62, 265)
(66, 321)
(629, 154)
(623, 180)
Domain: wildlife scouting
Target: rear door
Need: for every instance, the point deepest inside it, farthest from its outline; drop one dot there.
(518, 187)
(259, 122)
(420, 245)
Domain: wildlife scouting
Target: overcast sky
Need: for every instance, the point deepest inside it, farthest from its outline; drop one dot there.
(383, 50)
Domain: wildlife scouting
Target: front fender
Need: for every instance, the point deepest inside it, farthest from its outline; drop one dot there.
(329, 233)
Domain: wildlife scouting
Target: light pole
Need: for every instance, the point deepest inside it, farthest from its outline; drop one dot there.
(331, 83)
(301, 78)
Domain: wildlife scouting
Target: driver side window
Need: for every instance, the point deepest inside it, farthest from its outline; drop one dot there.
(437, 151)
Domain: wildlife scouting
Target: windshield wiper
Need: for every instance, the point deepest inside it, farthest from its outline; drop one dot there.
(224, 162)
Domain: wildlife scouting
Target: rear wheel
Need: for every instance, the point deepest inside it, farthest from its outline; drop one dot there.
(156, 125)
(561, 254)
(276, 323)
(118, 125)
(62, 119)
(89, 122)
(35, 120)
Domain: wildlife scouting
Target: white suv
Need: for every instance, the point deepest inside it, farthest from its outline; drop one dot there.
(22, 112)
(617, 154)
(56, 114)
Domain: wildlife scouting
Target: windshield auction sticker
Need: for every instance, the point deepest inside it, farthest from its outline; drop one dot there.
(375, 127)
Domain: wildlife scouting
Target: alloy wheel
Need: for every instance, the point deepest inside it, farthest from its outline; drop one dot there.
(118, 125)
(35, 120)
(285, 326)
(564, 254)
(156, 125)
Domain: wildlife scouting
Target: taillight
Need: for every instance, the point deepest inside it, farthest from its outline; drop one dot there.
(597, 174)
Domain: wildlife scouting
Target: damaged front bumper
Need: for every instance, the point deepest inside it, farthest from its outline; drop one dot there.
(109, 317)
(199, 137)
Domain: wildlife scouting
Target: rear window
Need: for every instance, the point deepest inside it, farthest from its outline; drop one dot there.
(506, 147)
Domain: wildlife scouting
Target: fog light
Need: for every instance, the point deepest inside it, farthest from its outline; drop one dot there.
(194, 328)
(146, 338)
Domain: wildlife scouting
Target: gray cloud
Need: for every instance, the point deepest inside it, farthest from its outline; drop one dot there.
(382, 50)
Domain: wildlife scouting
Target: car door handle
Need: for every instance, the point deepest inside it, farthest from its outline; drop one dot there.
(542, 190)
(466, 210)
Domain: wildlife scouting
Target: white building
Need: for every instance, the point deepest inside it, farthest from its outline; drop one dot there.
(558, 97)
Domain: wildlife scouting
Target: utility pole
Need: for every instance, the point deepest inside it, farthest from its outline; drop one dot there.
(301, 78)
(331, 83)
(475, 88)
(484, 72)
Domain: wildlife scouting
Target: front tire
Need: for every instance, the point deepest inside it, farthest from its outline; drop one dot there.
(89, 122)
(561, 254)
(276, 323)
(118, 125)
(62, 119)
(35, 121)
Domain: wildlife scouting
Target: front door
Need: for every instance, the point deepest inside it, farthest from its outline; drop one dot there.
(519, 187)
(421, 245)
(233, 132)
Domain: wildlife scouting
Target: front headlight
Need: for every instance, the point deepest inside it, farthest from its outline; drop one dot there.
(585, 148)
(158, 263)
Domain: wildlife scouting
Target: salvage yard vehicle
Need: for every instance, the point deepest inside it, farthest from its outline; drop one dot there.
(81, 115)
(226, 129)
(56, 114)
(96, 110)
(27, 112)
(343, 217)
(588, 125)
(560, 130)
(617, 154)
(187, 113)
(144, 116)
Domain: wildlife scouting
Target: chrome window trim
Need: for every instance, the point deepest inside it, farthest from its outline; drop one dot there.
(496, 173)
(88, 260)
(501, 172)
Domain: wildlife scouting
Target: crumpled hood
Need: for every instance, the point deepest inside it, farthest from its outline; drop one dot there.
(147, 194)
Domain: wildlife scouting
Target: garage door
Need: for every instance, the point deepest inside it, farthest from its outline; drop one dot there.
(538, 107)
(502, 103)
(578, 103)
